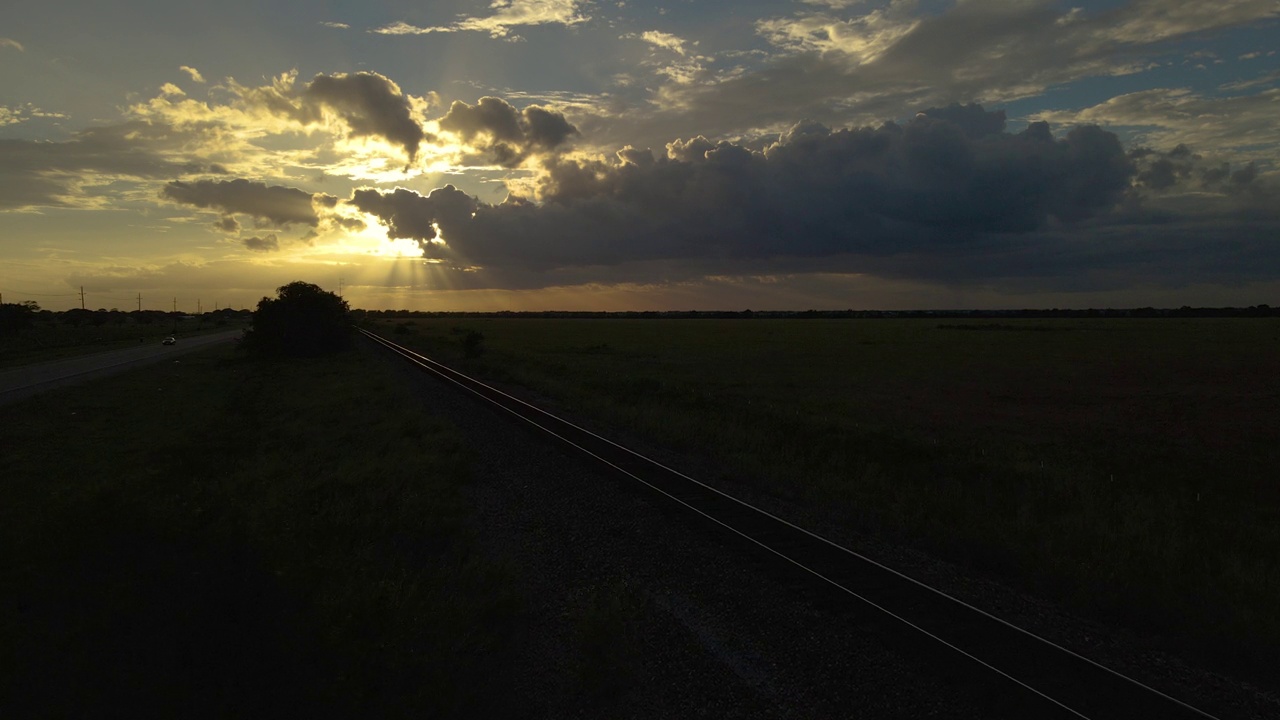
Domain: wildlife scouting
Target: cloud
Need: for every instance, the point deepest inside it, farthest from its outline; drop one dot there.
(507, 14)
(22, 113)
(507, 135)
(371, 105)
(686, 68)
(1242, 125)
(268, 243)
(70, 174)
(663, 40)
(367, 104)
(1179, 184)
(194, 73)
(10, 43)
(336, 25)
(861, 39)
(854, 63)
(401, 27)
(276, 205)
(406, 214)
(241, 279)
(1150, 21)
(227, 224)
(946, 179)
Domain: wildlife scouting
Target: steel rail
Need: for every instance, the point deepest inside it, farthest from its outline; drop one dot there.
(1047, 669)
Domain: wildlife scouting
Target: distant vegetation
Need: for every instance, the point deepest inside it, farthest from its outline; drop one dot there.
(29, 334)
(1185, 311)
(1125, 465)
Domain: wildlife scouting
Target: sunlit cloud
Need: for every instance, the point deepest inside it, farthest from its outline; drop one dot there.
(664, 40)
(193, 73)
(850, 63)
(672, 163)
(683, 69)
(861, 39)
(1150, 21)
(507, 14)
(365, 104)
(97, 167)
(1241, 126)
(22, 113)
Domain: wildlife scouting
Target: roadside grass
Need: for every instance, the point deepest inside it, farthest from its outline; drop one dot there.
(222, 537)
(51, 340)
(1129, 466)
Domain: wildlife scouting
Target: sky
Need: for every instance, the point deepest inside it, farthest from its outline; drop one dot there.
(622, 155)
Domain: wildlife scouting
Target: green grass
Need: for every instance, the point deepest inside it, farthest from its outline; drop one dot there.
(1126, 466)
(221, 537)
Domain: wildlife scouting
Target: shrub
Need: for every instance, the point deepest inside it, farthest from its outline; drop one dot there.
(302, 321)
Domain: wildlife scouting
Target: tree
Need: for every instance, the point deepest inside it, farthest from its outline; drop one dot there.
(15, 317)
(302, 320)
(76, 317)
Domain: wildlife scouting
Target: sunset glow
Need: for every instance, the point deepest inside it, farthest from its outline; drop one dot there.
(883, 154)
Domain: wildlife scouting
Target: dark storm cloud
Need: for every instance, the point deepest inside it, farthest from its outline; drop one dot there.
(227, 224)
(507, 135)
(262, 244)
(941, 180)
(406, 214)
(371, 105)
(1180, 168)
(273, 204)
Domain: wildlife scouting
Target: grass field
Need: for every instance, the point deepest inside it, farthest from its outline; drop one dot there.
(1128, 466)
(221, 537)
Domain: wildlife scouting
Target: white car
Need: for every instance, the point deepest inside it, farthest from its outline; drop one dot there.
(169, 341)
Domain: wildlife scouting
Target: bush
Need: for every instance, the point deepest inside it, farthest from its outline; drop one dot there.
(302, 321)
(472, 345)
(15, 317)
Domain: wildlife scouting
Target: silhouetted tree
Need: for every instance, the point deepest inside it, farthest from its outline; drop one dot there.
(16, 317)
(303, 320)
(76, 317)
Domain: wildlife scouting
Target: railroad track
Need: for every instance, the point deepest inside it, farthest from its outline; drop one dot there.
(1036, 677)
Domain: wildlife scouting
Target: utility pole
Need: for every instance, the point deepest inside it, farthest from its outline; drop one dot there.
(81, 297)
(175, 304)
(139, 302)
(198, 306)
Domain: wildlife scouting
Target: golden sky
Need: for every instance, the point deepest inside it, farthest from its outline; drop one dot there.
(563, 154)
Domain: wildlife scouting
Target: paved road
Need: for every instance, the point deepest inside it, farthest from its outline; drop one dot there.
(22, 382)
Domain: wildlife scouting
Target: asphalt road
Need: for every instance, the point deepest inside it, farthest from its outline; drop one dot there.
(25, 381)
